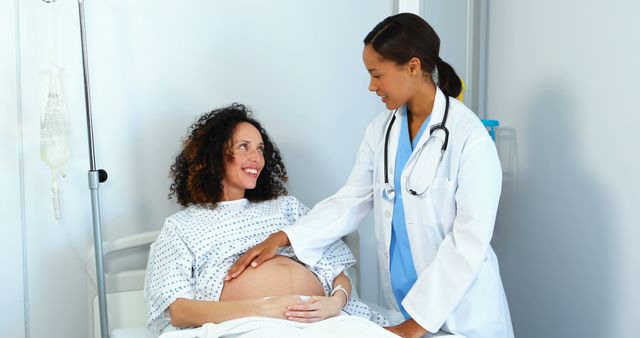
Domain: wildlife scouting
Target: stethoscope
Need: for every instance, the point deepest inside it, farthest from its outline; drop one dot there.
(389, 191)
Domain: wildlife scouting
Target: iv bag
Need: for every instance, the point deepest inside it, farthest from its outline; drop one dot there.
(54, 129)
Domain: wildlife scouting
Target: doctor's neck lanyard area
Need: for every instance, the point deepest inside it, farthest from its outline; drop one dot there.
(389, 190)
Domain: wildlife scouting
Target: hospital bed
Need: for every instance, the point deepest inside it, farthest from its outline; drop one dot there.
(126, 305)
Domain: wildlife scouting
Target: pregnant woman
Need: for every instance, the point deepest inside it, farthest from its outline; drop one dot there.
(230, 177)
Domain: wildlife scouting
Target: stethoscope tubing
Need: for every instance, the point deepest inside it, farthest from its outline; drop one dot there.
(441, 125)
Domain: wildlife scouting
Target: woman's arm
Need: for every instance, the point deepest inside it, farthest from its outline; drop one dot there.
(193, 313)
(342, 281)
(319, 307)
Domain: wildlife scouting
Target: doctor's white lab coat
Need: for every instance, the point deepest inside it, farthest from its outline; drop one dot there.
(458, 289)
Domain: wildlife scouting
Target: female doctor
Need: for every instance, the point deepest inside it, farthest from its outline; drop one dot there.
(430, 172)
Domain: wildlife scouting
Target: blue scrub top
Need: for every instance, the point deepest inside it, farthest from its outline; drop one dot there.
(403, 272)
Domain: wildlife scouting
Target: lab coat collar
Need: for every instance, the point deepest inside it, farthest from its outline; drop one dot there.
(437, 114)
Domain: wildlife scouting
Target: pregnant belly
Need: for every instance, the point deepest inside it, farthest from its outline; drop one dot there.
(276, 277)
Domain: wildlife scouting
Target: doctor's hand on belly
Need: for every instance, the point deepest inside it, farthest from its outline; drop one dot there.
(258, 254)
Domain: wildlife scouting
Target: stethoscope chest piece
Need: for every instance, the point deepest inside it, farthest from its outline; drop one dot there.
(388, 192)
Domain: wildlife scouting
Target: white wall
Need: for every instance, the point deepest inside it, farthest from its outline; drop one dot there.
(155, 66)
(564, 76)
(565, 234)
(451, 21)
(11, 284)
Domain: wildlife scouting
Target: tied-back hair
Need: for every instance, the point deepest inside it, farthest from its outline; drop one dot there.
(403, 36)
(198, 170)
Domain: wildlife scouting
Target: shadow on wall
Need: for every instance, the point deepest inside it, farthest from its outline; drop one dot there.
(507, 146)
(553, 240)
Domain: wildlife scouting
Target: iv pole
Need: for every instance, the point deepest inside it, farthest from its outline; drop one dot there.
(95, 178)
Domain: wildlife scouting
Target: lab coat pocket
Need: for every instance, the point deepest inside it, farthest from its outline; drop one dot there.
(424, 246)
(439, 203)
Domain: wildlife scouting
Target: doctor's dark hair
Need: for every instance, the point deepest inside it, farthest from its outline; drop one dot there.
(198, 170)
(403, 36)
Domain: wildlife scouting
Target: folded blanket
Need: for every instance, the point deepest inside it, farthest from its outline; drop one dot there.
(260, 327)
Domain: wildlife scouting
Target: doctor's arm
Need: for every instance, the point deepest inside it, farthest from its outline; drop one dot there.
(408, 329)
(332, 218)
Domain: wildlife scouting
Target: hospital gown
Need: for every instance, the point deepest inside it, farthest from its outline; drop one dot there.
(198, 245)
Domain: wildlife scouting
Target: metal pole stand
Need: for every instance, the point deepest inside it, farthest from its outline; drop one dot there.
(95, 178)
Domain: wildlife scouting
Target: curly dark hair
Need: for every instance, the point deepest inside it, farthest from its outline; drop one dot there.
(198, 170)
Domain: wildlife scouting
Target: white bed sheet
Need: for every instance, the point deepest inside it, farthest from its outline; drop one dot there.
(137, 332)
(260, 327)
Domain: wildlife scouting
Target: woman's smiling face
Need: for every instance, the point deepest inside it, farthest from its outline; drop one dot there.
(242, 168)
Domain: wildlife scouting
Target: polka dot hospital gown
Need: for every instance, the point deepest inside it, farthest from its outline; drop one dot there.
(198, 245)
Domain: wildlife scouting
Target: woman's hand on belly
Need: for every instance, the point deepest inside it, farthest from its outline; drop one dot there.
(276, 307)
(193, 313)
(316, 309)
